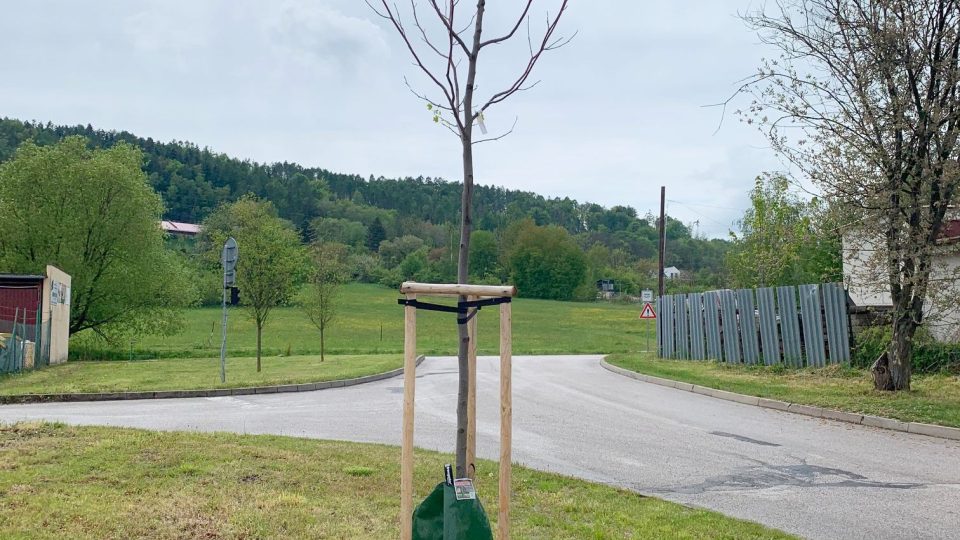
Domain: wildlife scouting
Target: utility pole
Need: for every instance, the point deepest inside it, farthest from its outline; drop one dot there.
(663, 238)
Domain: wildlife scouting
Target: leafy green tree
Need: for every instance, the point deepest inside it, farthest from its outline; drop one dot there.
(341, 231)
(93, 214)
(327, 275)
(483, 254)
(414, 265)
(545, 262)
(779, 243)
(393, 252)
(271, 259)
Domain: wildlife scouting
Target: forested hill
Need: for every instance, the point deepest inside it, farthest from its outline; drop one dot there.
(193, 181)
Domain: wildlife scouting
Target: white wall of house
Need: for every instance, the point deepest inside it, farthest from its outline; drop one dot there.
(866, 281)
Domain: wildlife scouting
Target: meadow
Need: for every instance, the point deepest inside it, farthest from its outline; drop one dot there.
(370, 321)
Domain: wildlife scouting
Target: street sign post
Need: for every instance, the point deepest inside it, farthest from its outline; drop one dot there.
(647, 313)
(228, 258)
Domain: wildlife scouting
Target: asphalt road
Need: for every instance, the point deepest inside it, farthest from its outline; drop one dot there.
(812, 477)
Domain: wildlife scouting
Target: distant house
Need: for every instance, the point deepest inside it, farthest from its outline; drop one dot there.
(867, 284)
(606, 288)
(177, 228)
(671, 272)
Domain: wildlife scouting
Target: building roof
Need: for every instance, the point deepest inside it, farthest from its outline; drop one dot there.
(177, 227)
(21, 278)
(671, 270)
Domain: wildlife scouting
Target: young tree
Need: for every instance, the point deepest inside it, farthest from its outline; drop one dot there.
(779, 241)
(448, 57)
(327, 276)
(866, 101)
(92, 214)
(271, 258)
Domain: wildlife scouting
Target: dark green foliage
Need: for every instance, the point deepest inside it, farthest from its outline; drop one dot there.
(375, 235)
(483, 254)
(545, 262)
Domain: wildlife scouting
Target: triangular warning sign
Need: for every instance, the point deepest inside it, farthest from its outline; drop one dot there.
(647, 312)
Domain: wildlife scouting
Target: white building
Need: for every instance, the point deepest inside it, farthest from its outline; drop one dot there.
(865, 277)
(671, 272)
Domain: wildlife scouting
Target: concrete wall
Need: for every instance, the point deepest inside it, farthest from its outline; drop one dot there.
(56, 312)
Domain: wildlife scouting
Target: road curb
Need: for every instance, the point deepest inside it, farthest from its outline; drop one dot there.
(210, 392)
(930, 430)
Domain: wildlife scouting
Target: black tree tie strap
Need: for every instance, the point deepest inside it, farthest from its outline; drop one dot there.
(462, 308)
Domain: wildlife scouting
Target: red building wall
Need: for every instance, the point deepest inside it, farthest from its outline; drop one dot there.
(20, 297)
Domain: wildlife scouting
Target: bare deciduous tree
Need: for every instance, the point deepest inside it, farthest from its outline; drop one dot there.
(865, 99)
(447, 53)
(328, 274)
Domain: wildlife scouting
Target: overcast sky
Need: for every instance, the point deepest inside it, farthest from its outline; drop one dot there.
(619, 112)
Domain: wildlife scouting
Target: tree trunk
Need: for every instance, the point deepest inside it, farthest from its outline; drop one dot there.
(466, 227)
(259, 334)
(891, 371)
(463, 273)
(321, 343)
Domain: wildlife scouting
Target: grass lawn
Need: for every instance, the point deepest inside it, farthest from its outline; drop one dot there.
(65, 482)
(934, 399)
(539, 327)
(192, 373)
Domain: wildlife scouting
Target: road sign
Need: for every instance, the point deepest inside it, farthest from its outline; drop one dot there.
(646, 295)
(229, 260)
(647, 312)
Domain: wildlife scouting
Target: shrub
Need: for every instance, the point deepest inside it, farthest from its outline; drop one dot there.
(929, 356)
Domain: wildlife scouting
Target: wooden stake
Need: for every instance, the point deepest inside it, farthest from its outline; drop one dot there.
(506, 418)
(406, 451)
(472, 397)
(430, 289)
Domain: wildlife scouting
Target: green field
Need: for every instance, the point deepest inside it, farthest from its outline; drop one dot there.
(934, 399)
(192, 373)
(109, 483)
(371, 322)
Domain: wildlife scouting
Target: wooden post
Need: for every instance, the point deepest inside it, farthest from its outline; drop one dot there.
(506, 417)
(406, 452)
(472, 397)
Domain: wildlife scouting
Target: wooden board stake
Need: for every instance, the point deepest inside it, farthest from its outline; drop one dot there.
(406, 452)
(506, 417)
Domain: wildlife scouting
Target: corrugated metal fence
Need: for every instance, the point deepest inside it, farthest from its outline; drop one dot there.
(757, 326)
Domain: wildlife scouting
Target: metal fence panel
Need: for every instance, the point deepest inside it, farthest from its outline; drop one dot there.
(683, 326)
(668, 327)
(698, 349)
(748, 326)
(711, 315)
(835, 314)
(729, 329)
(789, 326)
(812, 320)
(769, 340)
